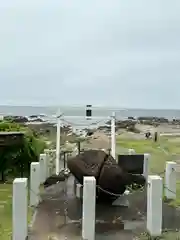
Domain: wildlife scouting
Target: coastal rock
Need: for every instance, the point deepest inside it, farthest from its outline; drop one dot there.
(175, 121)
(129, 125)
(38, 119)
(45, 127)
(33, 116)
(16, 119)
(152, 120)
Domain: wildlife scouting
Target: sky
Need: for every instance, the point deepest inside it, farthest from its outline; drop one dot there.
(123, 53)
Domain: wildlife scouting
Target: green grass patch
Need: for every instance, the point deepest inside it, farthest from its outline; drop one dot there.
(162, 151)
(6, 212)
(167, 149)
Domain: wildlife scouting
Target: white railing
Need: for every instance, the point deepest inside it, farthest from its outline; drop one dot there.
(39, 172)
(154, 201)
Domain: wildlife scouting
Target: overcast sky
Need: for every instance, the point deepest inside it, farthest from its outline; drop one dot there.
(104, 52)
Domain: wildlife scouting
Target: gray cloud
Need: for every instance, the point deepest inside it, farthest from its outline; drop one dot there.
(117, 52)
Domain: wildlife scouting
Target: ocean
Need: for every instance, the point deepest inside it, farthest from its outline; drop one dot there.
(81, 111)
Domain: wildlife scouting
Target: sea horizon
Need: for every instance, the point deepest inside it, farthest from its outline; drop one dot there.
(80, 110)
(84, 106)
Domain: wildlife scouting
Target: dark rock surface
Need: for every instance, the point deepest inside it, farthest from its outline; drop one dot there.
(110, 177)
(16, 119)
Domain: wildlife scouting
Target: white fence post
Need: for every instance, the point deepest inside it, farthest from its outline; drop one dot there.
(20, 209)
(43, 167)
(48, 165)
(170, 180)
(58, 143)
(34, 183)
(154, 205)
(146, 165)
(131, 151)
(47, 152)
(50, 161)
(113, 135)
(89, 208)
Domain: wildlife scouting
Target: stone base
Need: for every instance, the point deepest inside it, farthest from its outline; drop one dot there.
(122, 201)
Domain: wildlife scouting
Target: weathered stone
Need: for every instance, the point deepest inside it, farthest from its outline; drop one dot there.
(111, 179)
(54, 179)
(88, 163)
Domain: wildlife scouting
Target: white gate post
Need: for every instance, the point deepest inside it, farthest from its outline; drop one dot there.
(89, 208)
(131, 151)
(34, 183)
(48, 162)
(58, 143)
(113, 135)
(170, 180)
(154, 205)
(20, 209)
(146, 165)
(43, 167)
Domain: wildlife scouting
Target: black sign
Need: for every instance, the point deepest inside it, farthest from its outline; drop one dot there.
(132, 163)
(88, 111)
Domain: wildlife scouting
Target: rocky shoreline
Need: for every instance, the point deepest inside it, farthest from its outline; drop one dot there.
(143, 120)
(130, 128)
(127, 123)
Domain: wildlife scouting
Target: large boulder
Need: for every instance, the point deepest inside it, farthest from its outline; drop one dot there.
(88, 163)
(111, 179)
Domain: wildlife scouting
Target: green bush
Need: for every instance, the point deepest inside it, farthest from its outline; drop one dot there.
(15, 160)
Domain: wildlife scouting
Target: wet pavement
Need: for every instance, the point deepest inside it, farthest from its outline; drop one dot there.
(112, 222)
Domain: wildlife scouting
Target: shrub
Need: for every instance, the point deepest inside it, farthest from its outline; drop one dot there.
(15, 160)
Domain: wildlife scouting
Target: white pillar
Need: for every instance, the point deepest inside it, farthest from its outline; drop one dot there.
(58, 142)
(50, 156)
(89, 208)
(146, 165)
(20, 209)
(131, 151)
(48, 164)
(170, 180)
(154, 205)
(113, 136)
(43, 167)
(34, 183)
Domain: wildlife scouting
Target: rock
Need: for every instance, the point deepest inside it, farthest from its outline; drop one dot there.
(38, 119)
(131, 118)
(111, 179)
(128, 124)
(175, 121)
(152, 120)
(87, 163)
(16, 119)
(33, 116)
(55, 179)
(109, 176)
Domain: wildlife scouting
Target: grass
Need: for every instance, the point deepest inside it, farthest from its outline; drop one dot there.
(164, 150)
(6, 211)
(167, 149)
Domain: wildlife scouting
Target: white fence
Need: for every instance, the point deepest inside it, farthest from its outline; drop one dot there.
(38, 174)
(40, 171)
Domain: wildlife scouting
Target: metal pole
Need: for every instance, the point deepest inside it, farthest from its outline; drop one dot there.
(64, 160)
(113, 136)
